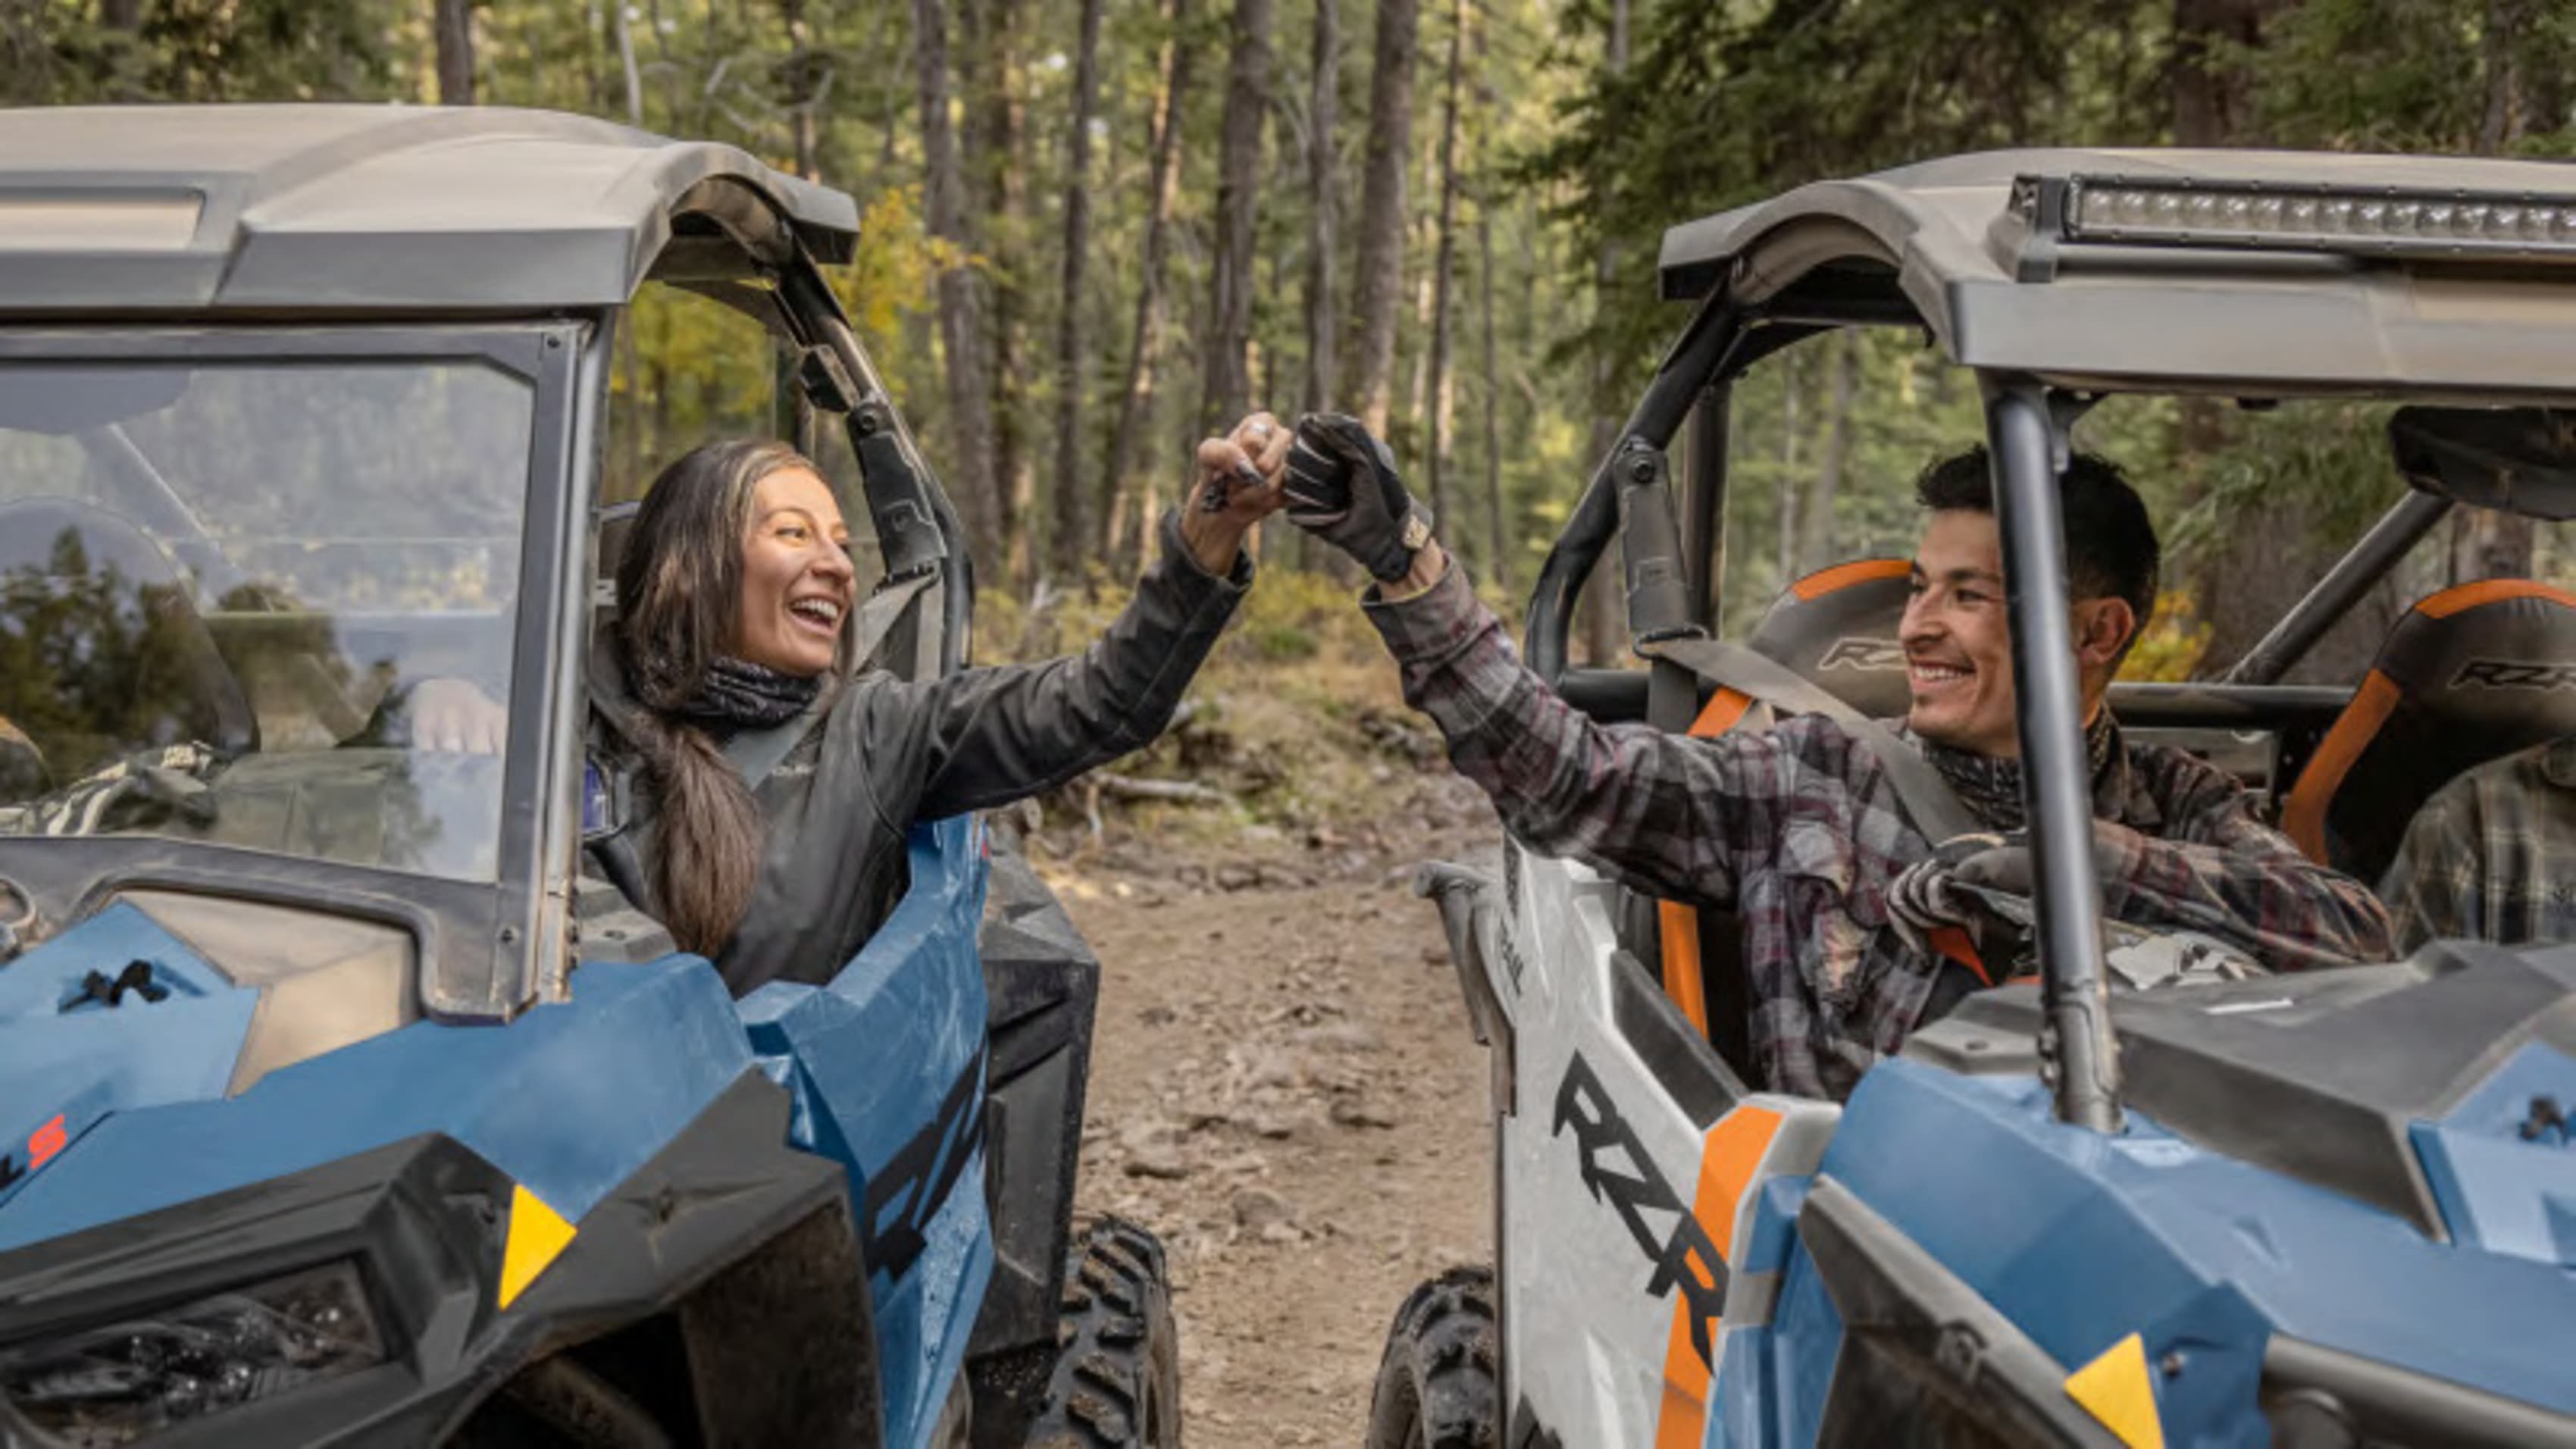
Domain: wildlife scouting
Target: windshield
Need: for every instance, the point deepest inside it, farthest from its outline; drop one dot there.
(219, 582)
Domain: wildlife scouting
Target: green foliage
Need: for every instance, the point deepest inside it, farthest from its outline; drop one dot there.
(1569, 167)
(58, 51)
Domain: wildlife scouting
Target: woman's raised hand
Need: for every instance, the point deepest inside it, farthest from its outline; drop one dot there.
(1239, 479)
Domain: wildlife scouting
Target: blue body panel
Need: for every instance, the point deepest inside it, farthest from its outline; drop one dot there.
(871, 1058)
(1768, 1389)
(2201, 1255)
(63, 1057)
(568, 1100)
(2498, 1190)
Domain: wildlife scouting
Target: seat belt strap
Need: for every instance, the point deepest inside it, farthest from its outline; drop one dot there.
(1928, 800)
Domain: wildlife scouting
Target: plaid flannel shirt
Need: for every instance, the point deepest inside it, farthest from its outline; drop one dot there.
(1798, 831)
(2492, 856)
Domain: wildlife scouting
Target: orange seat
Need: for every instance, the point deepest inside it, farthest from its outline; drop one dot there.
(2470, 674)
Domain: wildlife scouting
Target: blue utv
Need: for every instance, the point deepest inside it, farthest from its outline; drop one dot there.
(336, 1105)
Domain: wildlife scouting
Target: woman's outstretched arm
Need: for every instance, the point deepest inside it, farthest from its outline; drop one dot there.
(989, 736)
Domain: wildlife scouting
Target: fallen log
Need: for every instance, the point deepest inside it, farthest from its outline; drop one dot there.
(1184, 792)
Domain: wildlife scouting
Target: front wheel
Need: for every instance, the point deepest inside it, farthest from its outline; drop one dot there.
(1117, 1379)
(1435, 1387)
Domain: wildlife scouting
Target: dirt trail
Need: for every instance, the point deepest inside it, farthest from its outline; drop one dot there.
(1285, 1089)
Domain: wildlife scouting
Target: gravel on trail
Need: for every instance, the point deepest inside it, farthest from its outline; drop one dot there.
(1285, 1089)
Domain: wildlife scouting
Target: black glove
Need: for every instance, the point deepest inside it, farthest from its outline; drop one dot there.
(1924, 896)
(1928, 893)
(1343, 488)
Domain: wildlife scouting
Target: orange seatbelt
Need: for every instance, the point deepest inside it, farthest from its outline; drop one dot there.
(1680, 923)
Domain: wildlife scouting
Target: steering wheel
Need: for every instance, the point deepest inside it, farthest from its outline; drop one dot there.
(2135, 958)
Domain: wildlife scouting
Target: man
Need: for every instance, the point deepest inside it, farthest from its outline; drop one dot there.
(2492, 856)
(1797, 828)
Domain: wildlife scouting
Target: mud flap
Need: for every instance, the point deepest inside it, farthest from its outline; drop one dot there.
(1043, 986)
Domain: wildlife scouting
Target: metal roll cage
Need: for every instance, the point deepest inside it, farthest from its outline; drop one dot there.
(2026, 424)
(1760, 306)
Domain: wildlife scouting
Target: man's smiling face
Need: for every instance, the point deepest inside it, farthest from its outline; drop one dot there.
(1958, 650)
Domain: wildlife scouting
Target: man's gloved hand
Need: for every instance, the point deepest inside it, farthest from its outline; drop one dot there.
(1924, 897)
(1343, 488)
(1927, 894)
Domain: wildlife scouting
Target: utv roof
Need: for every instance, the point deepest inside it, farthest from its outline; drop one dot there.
(157, 209)
(2242, 271)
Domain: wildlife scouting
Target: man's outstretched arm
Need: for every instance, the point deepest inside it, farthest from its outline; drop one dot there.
(2226, 874)
(1671, 815)
(1655, 808)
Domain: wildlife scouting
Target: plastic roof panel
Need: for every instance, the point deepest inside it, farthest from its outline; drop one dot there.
(346, 208)
(2211, 318)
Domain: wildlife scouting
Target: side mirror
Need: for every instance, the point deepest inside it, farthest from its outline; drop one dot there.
(2516, 460)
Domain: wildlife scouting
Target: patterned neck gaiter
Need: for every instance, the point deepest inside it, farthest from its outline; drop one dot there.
(1991, 786)
(743, 696)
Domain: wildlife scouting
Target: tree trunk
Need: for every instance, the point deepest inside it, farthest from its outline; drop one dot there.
(2505, 35)
(634, 74)
(2213, 97)
(1379, 274)
(1072, 540)
(1599, 604)
(991, 155)
(455, 25)
(1238, 202)
(1136, 399)
(1444, 265)
(961, 311)
(2487, 544)
(804, 68)
(1323, 112)
(1816, 515)
(1788, 490)
(1498, 552)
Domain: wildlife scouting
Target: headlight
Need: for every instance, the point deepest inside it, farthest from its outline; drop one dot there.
(120, 1382)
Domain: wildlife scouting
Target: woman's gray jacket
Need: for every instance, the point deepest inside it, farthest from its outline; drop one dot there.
(887, 752)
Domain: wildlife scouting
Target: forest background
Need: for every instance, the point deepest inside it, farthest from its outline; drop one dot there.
(1096, 229)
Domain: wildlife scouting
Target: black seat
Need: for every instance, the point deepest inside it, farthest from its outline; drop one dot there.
(2471, 674)
(102, 651)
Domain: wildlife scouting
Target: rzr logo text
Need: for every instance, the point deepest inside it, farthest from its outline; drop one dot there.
(2516, 674)
(1615, 1166)
(1858, 653)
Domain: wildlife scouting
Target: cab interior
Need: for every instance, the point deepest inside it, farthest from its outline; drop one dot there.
(2384, 676)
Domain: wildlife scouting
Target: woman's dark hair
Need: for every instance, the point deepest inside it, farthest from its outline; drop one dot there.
(679, 584)
(2111, 548)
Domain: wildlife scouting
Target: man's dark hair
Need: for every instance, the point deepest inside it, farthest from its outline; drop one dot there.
(2111, 548)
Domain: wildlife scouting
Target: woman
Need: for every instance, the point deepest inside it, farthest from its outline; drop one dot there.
(732, 598)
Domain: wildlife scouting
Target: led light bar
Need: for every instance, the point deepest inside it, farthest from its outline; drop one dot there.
(2387, 221)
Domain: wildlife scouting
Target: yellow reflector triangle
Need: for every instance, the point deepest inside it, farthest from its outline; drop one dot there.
(2114, 1389)
(537, 1235)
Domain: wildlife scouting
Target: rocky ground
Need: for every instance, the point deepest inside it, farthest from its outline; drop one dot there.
(1285, 1089)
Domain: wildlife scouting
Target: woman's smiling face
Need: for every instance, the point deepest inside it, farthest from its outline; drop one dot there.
(797, 580)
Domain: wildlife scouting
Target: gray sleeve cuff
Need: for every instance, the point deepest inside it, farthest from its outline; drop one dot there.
(1431, 625)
